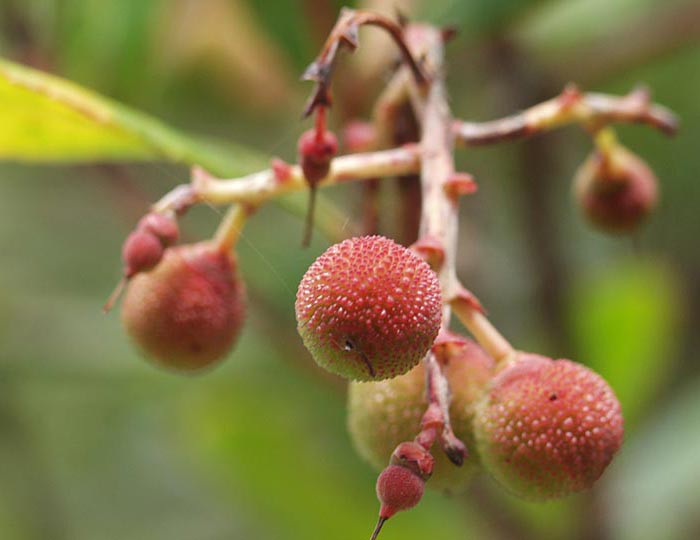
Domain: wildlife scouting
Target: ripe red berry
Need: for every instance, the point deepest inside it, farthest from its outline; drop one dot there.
(368, 309)
(163, 227)
(547, 427)
(141, 251)
(316, 153)
(616, 191)
(383, 414)
(186, 314)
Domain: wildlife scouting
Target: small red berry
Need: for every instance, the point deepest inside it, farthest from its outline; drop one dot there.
(186, 314)
(616, 191)
(141, 252)
(162, 226)
(398, 488)
(547, 428)
(368, 309)
(316, 153)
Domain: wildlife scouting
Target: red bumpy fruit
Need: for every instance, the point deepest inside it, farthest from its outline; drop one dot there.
(368, 309)
(187, 312)
(616, 191)
(547, 428)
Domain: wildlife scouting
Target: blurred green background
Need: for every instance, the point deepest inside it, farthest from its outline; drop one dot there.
(97, 444)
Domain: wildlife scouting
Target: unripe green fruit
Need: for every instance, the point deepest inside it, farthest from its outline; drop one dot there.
(547, 428)
(383, 414)
(187, 312)
(368, 309)
(616, 191)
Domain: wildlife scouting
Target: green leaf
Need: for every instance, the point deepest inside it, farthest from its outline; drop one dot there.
(625, 325)
(652, 490)
(276, 440)
(48, 119)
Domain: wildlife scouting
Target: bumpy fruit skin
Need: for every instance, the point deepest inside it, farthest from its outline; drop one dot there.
(616, 192)
(398, 488)
(368, 309)
(187, 312)
(383, 414)
(547, 428)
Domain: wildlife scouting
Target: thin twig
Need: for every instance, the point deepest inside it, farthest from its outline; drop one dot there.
(259, 187)
(345, 32)
(591, 110)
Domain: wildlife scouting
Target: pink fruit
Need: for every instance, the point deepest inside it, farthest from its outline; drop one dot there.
(368, 309)
(616, 192)
(186, 314)
(547, 428)
(141, 252)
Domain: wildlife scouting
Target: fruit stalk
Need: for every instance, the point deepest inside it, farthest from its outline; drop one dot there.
(438, 221)
(256, 188)
(229, 230)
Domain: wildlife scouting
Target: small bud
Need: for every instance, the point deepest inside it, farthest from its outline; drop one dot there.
(359, 136)
(431, 250)
(141, 251)
(398, 488)
(383, 414)
(413, 456)
(616, 191)
(162, 226)
(458, 184)
(316, 153)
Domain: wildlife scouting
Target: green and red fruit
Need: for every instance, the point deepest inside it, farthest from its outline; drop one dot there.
(368, 309)
(616, 191)
(547, 428)
(186, 314)
(383, 414)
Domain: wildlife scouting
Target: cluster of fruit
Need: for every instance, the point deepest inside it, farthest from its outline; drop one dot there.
(371, 310)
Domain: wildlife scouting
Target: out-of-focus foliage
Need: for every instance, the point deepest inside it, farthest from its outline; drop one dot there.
(97, 444)
(629, 313)
(49, 119)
